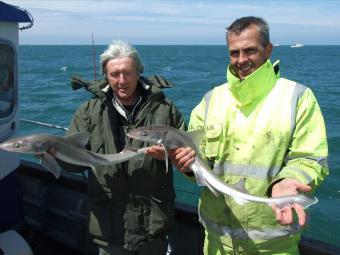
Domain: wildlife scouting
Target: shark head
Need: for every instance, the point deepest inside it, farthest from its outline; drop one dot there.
(25, 144)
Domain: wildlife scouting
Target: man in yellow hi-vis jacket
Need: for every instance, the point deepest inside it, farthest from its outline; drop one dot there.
(264, 129)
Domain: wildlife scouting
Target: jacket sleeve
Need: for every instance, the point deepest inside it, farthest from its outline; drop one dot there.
(306, 158)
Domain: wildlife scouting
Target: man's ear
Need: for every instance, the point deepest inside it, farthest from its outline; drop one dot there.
(268, 50)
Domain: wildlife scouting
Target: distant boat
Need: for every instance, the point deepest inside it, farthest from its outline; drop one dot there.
(297, 45)
(276, 44)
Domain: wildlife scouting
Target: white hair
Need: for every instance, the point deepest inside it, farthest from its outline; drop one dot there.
(120, 49)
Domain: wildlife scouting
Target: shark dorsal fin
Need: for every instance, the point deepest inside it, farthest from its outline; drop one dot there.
(80, 139)
(196, 137)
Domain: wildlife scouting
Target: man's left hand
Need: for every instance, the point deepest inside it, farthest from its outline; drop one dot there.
(289, 187)
(157, 152)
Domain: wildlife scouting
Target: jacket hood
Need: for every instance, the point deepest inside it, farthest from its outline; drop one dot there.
(254, 86)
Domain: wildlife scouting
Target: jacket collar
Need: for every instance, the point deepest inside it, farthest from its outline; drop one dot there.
(254, 87)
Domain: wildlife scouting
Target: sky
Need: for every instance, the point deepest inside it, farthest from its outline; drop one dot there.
(186, 22)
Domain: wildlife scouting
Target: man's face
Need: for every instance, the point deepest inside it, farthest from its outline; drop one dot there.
(246, 52)
(122, 76)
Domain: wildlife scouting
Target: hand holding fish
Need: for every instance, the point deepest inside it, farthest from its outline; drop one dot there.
(156, 151)
(289, 187)
(182, 158)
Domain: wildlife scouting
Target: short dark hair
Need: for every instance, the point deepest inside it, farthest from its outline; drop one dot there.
(243, 23)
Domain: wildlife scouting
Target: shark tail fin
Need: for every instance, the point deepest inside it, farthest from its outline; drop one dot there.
(300, 199)
(308, 201)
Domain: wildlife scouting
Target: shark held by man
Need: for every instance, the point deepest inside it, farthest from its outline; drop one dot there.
(172, 138)
(70, 149)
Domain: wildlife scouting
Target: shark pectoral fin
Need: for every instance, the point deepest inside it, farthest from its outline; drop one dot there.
(49, 162)
(241, 186)
(166, 158)
(240, 201)
(213, 190)
(200, 180)
(203, 182)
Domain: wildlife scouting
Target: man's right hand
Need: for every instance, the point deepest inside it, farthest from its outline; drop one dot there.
(182, 158)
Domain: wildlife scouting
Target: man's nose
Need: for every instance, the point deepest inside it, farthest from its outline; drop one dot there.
(121, 77)
(242, 58)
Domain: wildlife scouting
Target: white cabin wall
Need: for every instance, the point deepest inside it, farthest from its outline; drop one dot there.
(10, 32)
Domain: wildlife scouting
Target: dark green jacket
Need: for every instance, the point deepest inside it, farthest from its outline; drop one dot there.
(133, 202)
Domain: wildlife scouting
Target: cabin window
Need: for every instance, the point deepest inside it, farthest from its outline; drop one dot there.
(7, 86)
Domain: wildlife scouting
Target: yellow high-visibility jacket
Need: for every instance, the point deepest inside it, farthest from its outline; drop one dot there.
(261, 129)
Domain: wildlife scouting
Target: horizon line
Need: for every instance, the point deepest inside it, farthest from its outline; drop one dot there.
(166, 45)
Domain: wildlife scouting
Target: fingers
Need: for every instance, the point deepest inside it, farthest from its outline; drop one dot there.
(174, 152)
(182, 158)
(289, 187)
(284, 216)
(303, 187)
(157, 147)
(156, 151)
(301, 214)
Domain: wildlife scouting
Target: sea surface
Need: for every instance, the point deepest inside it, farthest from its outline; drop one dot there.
(45, 95)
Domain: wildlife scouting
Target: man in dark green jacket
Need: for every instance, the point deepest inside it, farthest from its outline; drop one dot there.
(131, 205)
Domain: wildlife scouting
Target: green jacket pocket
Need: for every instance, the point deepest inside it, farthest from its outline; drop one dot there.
(213, 139)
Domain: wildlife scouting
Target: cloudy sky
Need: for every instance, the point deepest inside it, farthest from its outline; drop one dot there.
(176, 22)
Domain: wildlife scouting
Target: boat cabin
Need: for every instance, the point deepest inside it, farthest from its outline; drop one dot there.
(10, 203)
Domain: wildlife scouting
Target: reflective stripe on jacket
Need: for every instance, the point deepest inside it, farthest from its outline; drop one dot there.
(261, 129)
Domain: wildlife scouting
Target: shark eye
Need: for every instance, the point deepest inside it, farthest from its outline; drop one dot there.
(18, 144)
